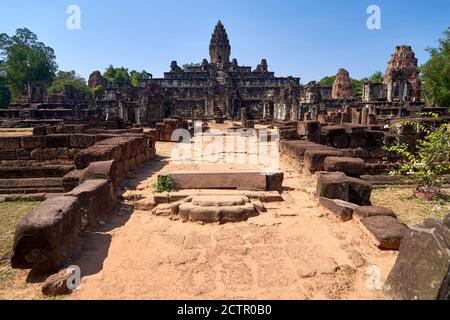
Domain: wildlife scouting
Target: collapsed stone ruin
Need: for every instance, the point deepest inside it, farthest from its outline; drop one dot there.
(81, 150)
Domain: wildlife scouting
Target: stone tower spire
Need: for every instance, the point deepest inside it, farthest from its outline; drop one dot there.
(219, 47)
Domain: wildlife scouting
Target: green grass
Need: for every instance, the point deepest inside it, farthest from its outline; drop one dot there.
(10, 215)
(409, 208)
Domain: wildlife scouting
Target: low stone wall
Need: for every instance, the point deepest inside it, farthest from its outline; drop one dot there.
(48, 236)
(44, 158)
(165, 129)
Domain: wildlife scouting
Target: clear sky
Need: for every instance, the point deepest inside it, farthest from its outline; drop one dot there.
(303, 38)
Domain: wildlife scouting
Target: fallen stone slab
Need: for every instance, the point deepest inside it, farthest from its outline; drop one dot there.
(46, 238)
(422, 269)
(228, 179)
(372, 211)
(342, 209)
(350, 166)
(386, 232)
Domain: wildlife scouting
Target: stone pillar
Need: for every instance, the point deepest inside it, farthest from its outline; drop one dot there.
(314, 113)
(390, 91)
(244, 117)
(364, 114)
(137, 115)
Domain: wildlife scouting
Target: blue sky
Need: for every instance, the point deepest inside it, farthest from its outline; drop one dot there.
(304, 38)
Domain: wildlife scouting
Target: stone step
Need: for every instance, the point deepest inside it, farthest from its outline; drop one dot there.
(228, 179)
(263, 196)
(46, 171)
(31, 183)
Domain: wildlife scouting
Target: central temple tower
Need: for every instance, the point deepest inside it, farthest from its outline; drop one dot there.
(219, 47)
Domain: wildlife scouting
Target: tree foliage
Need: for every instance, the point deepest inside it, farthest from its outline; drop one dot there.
(137, 77)
(24, 59)
(64, 78)
(377, 77)
(357, 85)
(122, 77)
(97, 92)
(436, 73)
(428, 164)
(5, 96)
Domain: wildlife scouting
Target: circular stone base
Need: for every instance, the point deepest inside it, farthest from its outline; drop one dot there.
(220, 209)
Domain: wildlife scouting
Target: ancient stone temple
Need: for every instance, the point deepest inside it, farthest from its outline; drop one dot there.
(402, 77)
(216, 88)
(342, 86)
(96, 79)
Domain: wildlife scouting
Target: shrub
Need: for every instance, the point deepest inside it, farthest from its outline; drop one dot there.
(164, 184)
(426, 165)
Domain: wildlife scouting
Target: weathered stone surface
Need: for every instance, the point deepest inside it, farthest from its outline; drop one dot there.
(45, 239)
(9, 142)
(219, 201)
(274, 181)
(95, 199)
(350, 166)
(386, 232)
(82, 140)
(337, 185)
(342, 86)
(342, 209)
(33, 142)
(146, 204)
(95, 154)
(332, 186)
(211, 209)
(314, 159)
(422, 269)
(446, 221)
(259, 206)
(403, 63)
(226, 179)
(360, 191)
(57, 140)
(56, 284)
(96, 79)
(162, 197)
(372, 211)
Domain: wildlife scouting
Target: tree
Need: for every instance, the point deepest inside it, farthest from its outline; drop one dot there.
(377, 77)
(327, 81)
(24, 59)
(120, 75)
(64, 78)
(136, 77)
(436, 73)
(5, 96)
(97, 92)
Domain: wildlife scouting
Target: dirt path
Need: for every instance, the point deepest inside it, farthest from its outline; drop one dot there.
(295, 251)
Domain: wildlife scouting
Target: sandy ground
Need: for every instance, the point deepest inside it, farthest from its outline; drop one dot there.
(295, 251)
